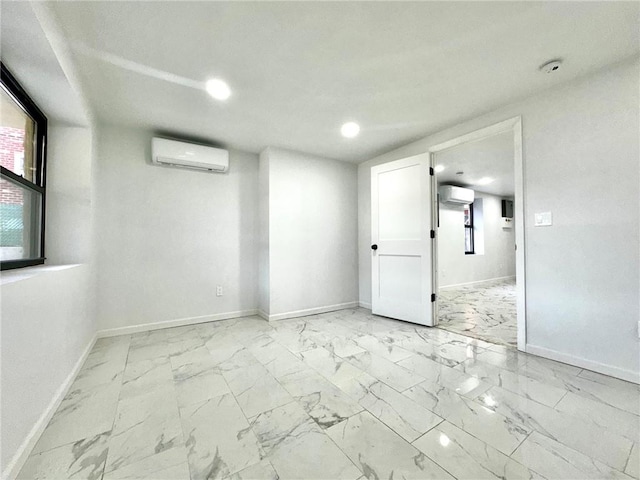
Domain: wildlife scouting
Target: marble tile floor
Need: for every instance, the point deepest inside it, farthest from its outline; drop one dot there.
(486, 311)
(342, 395)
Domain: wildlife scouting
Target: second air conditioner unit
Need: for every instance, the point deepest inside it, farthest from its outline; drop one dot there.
(456, 195)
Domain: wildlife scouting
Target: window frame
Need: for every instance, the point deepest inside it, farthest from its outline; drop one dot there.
(22, 99)
(471, 233)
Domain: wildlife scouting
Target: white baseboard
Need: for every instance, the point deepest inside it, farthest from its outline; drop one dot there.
(308, 311)
(366, 305)
(24, 450)
(263, 314)
(621, 373)
(145, 327)
(444, 287)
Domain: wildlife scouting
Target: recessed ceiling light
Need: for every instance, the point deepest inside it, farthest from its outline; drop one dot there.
(218, 89)
(484, 181)
(439, 168)
(350, 129)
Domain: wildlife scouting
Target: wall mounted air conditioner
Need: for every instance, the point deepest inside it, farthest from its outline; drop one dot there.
(458, 195)
(188, 155)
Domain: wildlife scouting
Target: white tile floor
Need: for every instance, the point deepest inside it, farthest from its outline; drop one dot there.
(339, 395)
(486, 311)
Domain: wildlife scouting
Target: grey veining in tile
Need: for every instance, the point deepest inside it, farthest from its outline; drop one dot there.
(278, 360)
(298, 448)
(169, 464)
(404, 416)
(198, 381)
(84, 459)
(340, 345)
(292, 336)
(255, 389)
(82, 414)
(106, 366)
(142, 376)
(199, 353)
(624, 396)
(486, 310)
(148, 351)
(145, 425)
(218, 438)
(619, 421)
(501, 432)
(335, 369)
(466, 457)
(611, 448)
(384, 349)
(260, 471)
(380, 453)
(323, 401)
(555, 460)
(514, 382)
(390, 373)
(435, 397)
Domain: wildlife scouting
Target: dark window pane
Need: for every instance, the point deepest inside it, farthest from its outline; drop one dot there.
(20, 221)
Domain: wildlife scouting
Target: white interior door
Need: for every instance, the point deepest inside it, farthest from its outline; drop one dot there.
(401, 243)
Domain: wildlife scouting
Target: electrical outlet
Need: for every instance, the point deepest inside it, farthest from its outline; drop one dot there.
(219, 291)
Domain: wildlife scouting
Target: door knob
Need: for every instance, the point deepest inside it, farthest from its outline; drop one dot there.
(374, 247)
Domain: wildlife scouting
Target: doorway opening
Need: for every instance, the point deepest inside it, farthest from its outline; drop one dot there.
(478, 207)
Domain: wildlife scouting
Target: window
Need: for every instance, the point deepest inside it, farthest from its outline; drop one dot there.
(23, 133)
(468, 229)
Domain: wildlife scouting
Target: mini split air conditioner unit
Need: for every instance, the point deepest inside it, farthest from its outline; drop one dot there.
(188, 155)
(457, 195)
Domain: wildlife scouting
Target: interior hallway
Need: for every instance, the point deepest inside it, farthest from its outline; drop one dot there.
(486, 311)
(337, 395)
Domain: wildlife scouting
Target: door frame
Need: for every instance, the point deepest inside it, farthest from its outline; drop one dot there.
(513, 125)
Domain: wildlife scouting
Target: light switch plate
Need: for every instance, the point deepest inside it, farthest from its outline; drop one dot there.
(543, 219)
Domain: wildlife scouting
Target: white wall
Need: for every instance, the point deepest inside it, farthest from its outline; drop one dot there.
(68, 216)
(48, 317)
(312, 232)
(498, 259)
(166, 237)
(263, 248)
(580, 146)
(47, 324)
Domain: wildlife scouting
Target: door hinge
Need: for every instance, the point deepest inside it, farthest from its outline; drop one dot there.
(433, 297)
(431, 171)
(433, 234)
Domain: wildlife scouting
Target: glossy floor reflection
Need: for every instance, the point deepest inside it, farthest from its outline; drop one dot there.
(339, 395)
(486, 311)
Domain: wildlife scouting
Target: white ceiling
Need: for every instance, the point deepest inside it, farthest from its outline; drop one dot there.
(27, 53)
(298, 70)
(490, 157)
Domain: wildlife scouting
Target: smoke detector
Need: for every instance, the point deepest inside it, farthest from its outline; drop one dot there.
(552, 66)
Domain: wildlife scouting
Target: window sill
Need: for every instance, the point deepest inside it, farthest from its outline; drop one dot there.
(17, 275)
